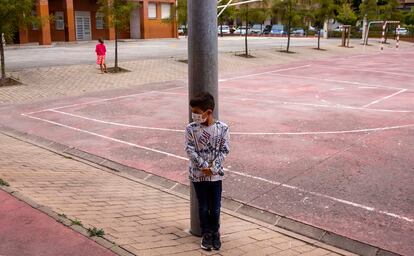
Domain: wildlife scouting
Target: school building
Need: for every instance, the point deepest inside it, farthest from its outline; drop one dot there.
(407, 4)
(80, 20)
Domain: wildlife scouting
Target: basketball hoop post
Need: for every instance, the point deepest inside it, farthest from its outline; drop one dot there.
(202, 69)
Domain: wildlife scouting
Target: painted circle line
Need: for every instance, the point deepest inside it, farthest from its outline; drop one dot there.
(237, 133)
(368, 208)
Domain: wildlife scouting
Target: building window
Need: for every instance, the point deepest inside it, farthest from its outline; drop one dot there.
(152, 10)
(34, 23)
(165, 11)
(100, 21)
(59, 21)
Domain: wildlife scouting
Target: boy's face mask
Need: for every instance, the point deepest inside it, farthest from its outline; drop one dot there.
(198, 118)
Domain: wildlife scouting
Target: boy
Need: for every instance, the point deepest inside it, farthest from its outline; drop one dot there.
(207, 144)
(100, 50)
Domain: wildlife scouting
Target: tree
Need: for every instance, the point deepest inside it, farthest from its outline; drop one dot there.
(322, 10)
(13, 14)
(289, 12)
(409, 17)
(117, 13)
(389, 10)
(346, 15)
(369, 9)
(244, 13)
(259, 15)
(228, 14)
(181, 13)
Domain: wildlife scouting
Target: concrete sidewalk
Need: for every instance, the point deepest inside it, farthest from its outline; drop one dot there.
(60, 81)
(137, 215)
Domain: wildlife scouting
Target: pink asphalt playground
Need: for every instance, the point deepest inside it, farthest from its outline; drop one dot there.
(326, 142)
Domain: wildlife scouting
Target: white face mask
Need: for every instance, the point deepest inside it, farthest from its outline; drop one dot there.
(198, 118)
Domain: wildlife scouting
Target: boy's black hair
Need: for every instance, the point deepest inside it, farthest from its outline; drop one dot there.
(101, 40)
(203, 101)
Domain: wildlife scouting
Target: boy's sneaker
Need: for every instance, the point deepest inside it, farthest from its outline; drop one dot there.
(216, 241)
(207, 242)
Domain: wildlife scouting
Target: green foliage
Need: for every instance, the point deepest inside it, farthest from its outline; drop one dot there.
(289, 11)
(228, 14)
(244, 12)
(181, 11)
(96, 232)
(346, 15)
(4, 183)
(410, 29)
(409, 17)
(77, 222)
(389, 10)
(369, 9)
(259, 15)
(321, 10)
(117, 12)
(13, 14)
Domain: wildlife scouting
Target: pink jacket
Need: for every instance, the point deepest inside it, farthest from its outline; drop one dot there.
(100, 49)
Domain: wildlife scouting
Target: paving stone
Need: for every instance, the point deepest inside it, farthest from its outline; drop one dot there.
(125, 209)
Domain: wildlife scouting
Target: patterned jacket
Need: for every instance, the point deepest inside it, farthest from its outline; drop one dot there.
(206, 147)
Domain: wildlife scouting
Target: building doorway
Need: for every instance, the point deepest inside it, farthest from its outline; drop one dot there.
(135, 24)
(83, 26)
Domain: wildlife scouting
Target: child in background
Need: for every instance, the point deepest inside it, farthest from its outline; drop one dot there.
(100, 50)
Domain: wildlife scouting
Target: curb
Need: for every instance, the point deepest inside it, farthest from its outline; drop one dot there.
(104, 242)
(282, 224)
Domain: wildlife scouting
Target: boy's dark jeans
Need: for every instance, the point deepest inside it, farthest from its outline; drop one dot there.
(209, 203)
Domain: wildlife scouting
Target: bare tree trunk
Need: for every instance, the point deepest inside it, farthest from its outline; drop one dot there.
(245, 36)
(288, 42)
(3, 67)
(319, 38)
(386, 34)
(289, 24)
(221, 29)
(116, 49)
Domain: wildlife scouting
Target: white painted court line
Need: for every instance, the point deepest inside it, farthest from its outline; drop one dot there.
(339, 106)
(368, 208)
(238, 133)
(101, 100)
(117, 124)
(384, 98)
(326, 132)
(367, 87)
(174, 88)
(366, 70)
(104, 137)
(338, 81)
(263, 73)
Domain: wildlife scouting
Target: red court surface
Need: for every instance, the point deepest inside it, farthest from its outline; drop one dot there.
(25, 231)
(327, 142)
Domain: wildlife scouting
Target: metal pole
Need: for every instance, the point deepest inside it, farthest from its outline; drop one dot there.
(364, 28)
(349, 36)
(202, 68)
(384, 26)
(397, 45)
(325, 29)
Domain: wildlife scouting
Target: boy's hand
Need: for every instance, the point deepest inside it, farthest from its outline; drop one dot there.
(207, 171)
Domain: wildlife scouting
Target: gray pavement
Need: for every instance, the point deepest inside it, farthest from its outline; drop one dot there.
(83, 52)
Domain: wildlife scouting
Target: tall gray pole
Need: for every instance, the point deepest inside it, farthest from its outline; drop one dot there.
(202, 67)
